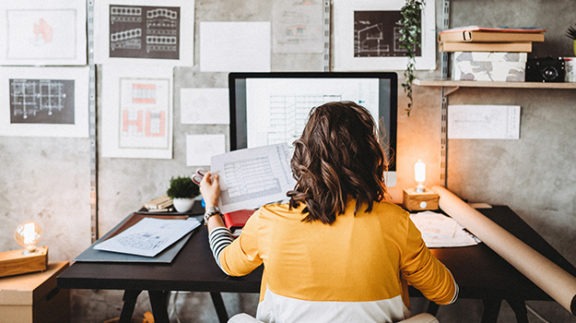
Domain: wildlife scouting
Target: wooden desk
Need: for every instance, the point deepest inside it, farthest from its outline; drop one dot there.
(481, 274)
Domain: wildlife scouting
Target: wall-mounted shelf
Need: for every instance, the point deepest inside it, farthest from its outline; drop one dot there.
(487, 84)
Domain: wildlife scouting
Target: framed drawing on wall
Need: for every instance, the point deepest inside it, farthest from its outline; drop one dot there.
(43, 32)
(44, 101)
(366, 36)
(146, 31)
(137, 111)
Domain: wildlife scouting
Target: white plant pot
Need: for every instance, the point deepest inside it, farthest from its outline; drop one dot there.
(183, 204)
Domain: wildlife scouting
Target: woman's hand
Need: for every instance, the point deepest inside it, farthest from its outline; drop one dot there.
(210, 189)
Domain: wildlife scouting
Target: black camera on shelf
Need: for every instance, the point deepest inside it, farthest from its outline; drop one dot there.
(545, 69)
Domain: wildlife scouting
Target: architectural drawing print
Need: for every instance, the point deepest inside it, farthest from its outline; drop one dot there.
(144, 32)
(144, 114)
(297, 26)
(46, 32)
(41, 101)
(376, 34)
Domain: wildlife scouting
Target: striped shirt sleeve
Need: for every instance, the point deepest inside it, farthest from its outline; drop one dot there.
(219, 239)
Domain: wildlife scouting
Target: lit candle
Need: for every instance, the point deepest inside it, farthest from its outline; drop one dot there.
(420, 175)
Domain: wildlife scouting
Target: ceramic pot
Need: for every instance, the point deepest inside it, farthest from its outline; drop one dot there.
(183, 204)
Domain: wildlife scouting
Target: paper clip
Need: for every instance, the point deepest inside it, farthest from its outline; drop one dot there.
(197, 177)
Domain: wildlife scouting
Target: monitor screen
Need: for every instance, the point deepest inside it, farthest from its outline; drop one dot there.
(271, 108)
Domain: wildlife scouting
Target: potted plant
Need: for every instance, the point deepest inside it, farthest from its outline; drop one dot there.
(410, 39)
(571, 33)
(182, 191)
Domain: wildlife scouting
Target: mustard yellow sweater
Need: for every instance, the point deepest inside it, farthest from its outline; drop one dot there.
(355, 268)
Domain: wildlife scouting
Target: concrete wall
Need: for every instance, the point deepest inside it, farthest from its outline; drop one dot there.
(48, 179)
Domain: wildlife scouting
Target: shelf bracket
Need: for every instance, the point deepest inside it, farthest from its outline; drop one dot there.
(448, 92)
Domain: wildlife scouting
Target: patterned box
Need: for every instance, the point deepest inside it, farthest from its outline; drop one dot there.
(489, 66)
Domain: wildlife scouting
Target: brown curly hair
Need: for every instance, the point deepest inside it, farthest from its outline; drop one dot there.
(337, 156)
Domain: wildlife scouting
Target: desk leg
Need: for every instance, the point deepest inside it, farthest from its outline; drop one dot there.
(129, 299)
(219, 306)
(159, 304)
(519, 308)
(491, 310)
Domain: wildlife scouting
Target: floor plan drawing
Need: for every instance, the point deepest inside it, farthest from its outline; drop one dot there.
(41, 101)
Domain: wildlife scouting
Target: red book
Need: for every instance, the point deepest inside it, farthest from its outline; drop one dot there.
(237, 219)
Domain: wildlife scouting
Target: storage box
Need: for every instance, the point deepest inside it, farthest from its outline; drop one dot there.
(489, 66)
(34, 297)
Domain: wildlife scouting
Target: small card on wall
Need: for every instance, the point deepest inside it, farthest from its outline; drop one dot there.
(483, 122)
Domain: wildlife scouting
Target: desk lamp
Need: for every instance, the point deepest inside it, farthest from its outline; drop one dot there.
(419, 198)
(30, 259)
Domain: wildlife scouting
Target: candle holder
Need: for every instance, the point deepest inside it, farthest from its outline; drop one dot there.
(419, 198)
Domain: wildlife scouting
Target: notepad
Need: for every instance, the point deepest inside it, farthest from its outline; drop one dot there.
(149, 236)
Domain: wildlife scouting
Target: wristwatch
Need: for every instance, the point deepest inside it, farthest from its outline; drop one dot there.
(213, 210)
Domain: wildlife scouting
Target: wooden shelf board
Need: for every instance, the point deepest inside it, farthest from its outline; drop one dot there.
(487, 84)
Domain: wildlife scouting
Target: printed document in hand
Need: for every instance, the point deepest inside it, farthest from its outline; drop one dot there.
(252, 177)
(149, 236)
(439, 230)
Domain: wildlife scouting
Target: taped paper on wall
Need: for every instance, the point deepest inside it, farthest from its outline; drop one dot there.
(483, 122)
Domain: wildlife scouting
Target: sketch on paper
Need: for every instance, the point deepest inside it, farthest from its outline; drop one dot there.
(377, 34)
(144, 113)
(144, 32)
(50, 32)
(297, 26)
(41, 101)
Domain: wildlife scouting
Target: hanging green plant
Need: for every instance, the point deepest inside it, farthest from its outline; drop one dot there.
(410, 39)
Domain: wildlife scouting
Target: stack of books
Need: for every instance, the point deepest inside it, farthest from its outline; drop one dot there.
(487, 39)
(489, 54)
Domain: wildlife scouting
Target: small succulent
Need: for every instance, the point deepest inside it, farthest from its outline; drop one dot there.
(571, 32)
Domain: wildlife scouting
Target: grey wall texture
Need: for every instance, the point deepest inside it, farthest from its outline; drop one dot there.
(48, 179)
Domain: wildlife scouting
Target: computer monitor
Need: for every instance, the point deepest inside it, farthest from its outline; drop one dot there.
(271, 108)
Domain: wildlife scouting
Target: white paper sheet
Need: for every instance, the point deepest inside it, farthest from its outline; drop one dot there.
(44, 102)
(440, 231)
(235, 46)
(137, 111)
(201, 148)
(204, 106)
(145, 31)
(252, 177)
(483, 122)
(149, 236)
(43, 32)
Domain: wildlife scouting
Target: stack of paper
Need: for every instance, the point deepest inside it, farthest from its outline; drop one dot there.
(439, 230)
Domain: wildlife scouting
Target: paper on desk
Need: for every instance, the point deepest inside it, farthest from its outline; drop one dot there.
(149, 236)
(252, 177)
(439, 230)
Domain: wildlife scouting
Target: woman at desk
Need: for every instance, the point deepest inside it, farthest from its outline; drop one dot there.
(336, 251)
